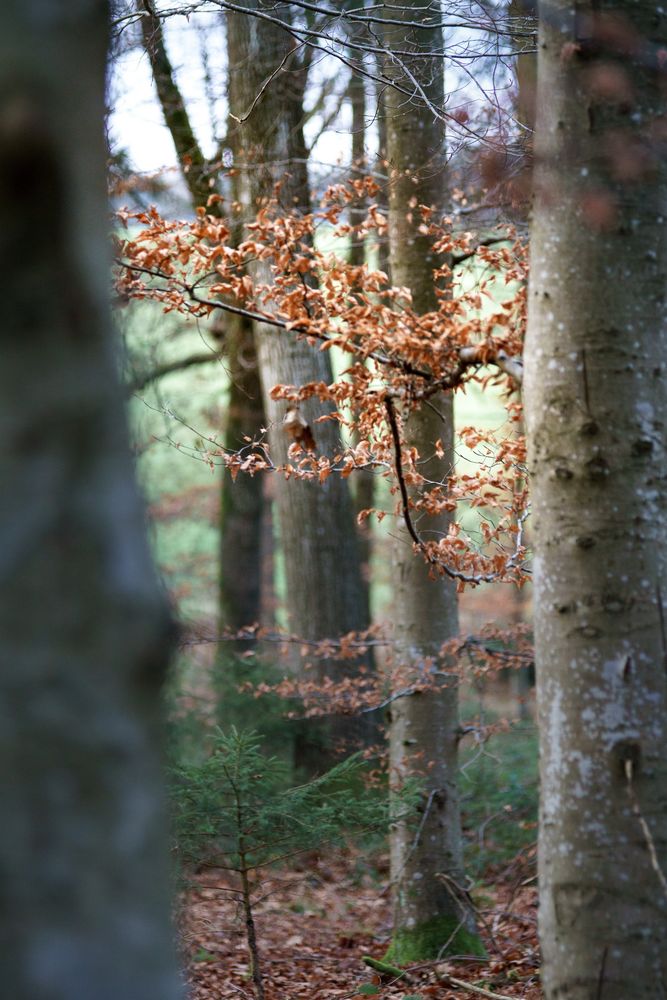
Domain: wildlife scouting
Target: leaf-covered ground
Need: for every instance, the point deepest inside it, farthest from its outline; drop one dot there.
(315, 924)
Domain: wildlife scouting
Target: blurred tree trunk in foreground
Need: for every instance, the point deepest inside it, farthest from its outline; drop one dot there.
(84, 630)
(596, 412)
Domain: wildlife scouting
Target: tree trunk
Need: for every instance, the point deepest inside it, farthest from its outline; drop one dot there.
(324, 589)
(364, 481)
(596, 408)
(525, 66)
(242, 501)
(525, 71)
(357, 97)
(243, 540)
(83, 624)
(430, 908)
(193, 163)
(380, 114)
(241, 535)
(519, 186)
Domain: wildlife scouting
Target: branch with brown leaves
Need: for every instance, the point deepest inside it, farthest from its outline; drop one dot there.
(397, 358)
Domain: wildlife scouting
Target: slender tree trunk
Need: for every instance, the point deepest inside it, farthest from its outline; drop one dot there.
(193, 163)
(523, 13)
(324, 589)
(364, 481)
(83, 625)
(241, 535)
(525, 66)
(525, 71)
(243, 507)
(357, 98)
(242, 501)
(380, 112)
(430, 909)
(596, 407)
(244, 542)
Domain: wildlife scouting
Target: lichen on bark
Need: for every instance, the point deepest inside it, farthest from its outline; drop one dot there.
(596, 411)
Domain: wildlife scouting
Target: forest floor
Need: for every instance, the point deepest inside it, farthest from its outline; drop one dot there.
(314, 926)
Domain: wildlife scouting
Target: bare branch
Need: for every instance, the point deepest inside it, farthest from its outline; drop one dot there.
(140, 382)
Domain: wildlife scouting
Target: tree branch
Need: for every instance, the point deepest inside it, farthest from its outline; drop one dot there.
(140, 382)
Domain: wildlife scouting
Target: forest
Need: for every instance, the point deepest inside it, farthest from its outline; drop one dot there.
(333, 556)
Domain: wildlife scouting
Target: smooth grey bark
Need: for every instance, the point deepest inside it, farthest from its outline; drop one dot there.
(430, 911)
(84, 628)
(596, 409)
(324, 588)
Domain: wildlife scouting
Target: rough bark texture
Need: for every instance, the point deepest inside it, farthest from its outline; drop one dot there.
(424, 726)
(242, 501)
(596, 411)
(83, 626)
(324, 590)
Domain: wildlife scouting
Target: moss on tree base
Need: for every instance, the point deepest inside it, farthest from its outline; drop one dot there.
(425, 941)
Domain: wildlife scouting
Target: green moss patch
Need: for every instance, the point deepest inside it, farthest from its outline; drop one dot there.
(424, 941)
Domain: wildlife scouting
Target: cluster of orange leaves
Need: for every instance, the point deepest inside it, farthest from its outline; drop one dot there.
(316, 692)
(394, 357)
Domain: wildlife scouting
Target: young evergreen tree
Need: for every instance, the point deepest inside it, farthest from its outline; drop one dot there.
(596, 411)
(84, 629)
(237, 811)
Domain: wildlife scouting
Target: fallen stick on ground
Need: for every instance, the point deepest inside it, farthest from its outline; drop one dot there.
(477, 990)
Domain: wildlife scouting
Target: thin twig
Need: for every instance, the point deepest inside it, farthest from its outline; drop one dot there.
(467, 356)
(454, 574)
(603, 963)
(661, 617)
(584, 374)
(405, 500)
(464, 901)
(648, 836)
(267, 83)
(403, 693)
(422, 823)
(477, 990)
(443, 949)
(141, 381)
